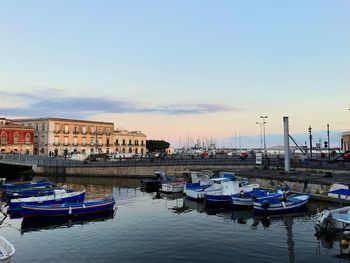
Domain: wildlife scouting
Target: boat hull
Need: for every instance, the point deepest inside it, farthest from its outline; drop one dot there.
(293, 203)
(72, 197)
(67, 209)
(218, 200)
(176, 187)
(6, 250)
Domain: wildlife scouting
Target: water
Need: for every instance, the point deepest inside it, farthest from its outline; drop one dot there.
(149, 228)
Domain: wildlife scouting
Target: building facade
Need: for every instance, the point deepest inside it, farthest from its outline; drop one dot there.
(61, 137)
(345, 141)
(15, 138)
(133, 142)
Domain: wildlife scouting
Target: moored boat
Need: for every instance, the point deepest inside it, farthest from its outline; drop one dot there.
(24, 185)
(6, 250)
(271, 204)
(154, 183)
(57, 198)
(245, 199)
(333, 220)
(68, 209)
(222, 195)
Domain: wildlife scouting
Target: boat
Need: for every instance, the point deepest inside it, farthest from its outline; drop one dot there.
(339, 191)
(68, 209)
(272, 204)
(154, 183)
(220, 193)
(172, 187)
(6, 250)
(57, 198)
(24, 185)
(29, 192)
(197, 191)
(245, 199)
(333, 220)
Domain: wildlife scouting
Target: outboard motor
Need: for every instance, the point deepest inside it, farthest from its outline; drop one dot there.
(324, 221)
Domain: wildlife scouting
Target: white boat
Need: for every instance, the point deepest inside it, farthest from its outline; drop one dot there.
(333, 220)
(215, 185)
(338, 190)
(172, 187)
(6, 250)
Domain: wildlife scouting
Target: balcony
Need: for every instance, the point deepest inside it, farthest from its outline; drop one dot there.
(100, 133)
(66, 132)
(66, 144)
(56, 131)
(92, 144)
(116, 144)
(76, 132)
(83, 132)
(56, 143)
(83, 144)
(92, 132)
(75, 144)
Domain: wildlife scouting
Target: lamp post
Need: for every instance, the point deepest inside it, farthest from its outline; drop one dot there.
(261, 138)
(263, 124)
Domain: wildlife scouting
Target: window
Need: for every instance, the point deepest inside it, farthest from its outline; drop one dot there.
(66, 140)
(83, 140)
(28, 138)
(116, 142)
(91, 140)
(99, 141)
(130, 150)
(129, 142)
(107, 141)
(56, 140)
(43, 127)
(66, 128)
(75, 140)
(15, 138)
(123, 142)
(57, 127)
(84, 129)
(136, 142)
(3, 139)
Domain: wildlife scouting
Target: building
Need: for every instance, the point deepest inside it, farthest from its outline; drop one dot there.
(130, 142)
(15, 138)
(60, 137)
(345, 141)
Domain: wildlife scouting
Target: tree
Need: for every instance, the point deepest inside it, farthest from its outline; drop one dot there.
(156, 145)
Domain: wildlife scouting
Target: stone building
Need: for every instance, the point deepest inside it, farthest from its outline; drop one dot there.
(60, 137)
(15, 138)
(133, 142)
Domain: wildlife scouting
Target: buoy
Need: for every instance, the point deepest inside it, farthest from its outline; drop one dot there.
(344, 243)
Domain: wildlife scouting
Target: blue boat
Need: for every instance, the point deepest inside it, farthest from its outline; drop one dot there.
(272, 204)
(24, 185)
(245, 199)
(60, 196)
(28, 193)
(68, 209)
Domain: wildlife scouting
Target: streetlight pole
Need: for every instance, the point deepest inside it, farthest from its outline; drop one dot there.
(261, 138)
(263, 123)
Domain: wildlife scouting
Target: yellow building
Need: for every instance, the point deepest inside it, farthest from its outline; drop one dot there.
(59, 137)
(132, 142)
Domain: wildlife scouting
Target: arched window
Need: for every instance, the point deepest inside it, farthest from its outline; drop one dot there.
(136, 151)
(3, 138)
(15, 138)
(28, 138)
(130, 150)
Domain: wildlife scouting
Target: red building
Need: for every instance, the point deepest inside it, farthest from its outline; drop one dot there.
(15, 138)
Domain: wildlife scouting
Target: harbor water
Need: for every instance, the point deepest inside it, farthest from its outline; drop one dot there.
(151, 227)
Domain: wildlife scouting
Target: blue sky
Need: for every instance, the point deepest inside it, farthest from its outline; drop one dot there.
(179, 69)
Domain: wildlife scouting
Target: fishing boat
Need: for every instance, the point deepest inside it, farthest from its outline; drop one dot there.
(339, 191)
(68, 209)
(24, 185)
(216, 195)
(172, 187)
(6, 250)
(333, 220)
(22, 193)
(197, 191)
(272, 204)
(60, 196)
(154, 183)
(245, 199)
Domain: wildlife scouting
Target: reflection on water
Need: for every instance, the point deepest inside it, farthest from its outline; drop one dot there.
(182, 230)
(39, 224)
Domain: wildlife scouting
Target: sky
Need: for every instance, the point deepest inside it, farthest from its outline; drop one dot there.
(180, 70)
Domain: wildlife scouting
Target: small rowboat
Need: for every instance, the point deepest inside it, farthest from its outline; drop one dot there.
(68, 209)
(6, 250)
(24, 185)
(60, 196)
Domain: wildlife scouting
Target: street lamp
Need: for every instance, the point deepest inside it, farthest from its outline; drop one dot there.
(263, 123)
(261, 138)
